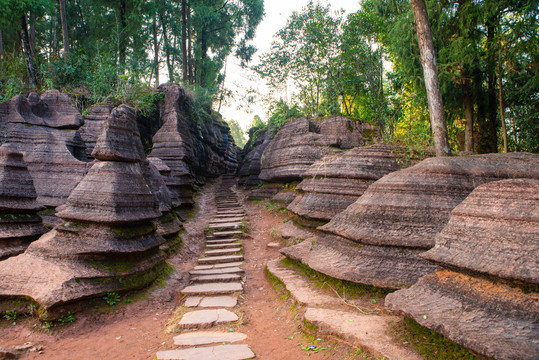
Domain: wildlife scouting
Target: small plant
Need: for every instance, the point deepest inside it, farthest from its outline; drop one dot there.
(112, 298)
(69, 318)
(11, 315)
(47, 325)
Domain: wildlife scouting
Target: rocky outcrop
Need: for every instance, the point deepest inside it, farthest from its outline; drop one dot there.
(93, 123)
(336, 181)
(300, 142)
(44, 129)
(252, 154)
(264, 192)
(487, 300)
(107, 241)
(19, 222)
(193, 148)
(405, 210)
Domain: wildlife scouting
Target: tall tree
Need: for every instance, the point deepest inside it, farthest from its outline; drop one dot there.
(1, 45)
(30, 67)
(185, 60)
(65, 34)
(155, 51)
(430, 72)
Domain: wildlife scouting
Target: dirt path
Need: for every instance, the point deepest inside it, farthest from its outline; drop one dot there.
(136, 330)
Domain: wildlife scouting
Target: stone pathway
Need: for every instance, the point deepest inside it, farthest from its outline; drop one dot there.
(214, 286)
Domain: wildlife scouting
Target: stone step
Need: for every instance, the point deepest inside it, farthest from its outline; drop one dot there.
(201, 279)
(203, 319)
(227, 270)
(215, 288)
(218, 252)
(223, 245)
(218, 266)
(211, 260)
(207, 338)
(211, 301)
(239, 211)
(229, 225)
(227, 220)
(221, 352)
(221, 241)
(222, 216)
(222, 234)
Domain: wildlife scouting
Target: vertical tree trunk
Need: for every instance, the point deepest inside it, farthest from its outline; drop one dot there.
(201, 69)
(54, 45)
(32, 34)
(1, 45)
(32, 80)
(185, 71)
(122, 48)
(167, 49)
(467, 104)
(491, 126)
(500, 97)
(189, 45)
(428, 61)
(65, 35)
(156, 52)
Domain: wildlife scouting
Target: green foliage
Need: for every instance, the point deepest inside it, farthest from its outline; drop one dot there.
(112, 298)
(11, 315)
(237, 133)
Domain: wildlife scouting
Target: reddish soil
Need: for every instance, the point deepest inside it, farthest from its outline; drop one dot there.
(137, 330)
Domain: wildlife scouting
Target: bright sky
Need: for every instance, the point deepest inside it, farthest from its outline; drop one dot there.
(241, 80)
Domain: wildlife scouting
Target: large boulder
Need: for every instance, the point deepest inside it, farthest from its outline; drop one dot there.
(488, 301)
(107, 241)
(94, 119)
(44, 129)
(300, 142)
(19, 222)
(251, 165)
(405, 210)
(336, 181)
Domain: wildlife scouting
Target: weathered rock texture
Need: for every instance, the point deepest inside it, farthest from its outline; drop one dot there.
(336, 181)
(93, 123)
(488, 301)
(264, 192)
(403, 212)
(252, 154)
(300, 142)
(19, 222)
(107, 242)
(192, 148)
(44, 129)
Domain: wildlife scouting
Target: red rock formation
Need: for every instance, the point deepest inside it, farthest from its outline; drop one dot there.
(108, 242)
(93, 123)
(336, 181)
(19, 222)
(488, 302)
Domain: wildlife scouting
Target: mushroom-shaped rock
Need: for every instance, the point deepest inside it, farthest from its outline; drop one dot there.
(336, 181)
(488, 299)
(19, 222)
(108, 242)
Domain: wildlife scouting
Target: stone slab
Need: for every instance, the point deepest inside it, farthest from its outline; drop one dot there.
(219, 301)
(227, 270)
(217, 252)
(218, 266)
(230, 225)
(368, 331)
(192, 301)
(215, 288)
(229, 214)
(227, 233)
(221, 352)
(207, 338)
(273, 245)
(228, 219)
(298, 287)
(220, 259)
(222, 246)
(215, 278)
(221, 241)
(203, 319)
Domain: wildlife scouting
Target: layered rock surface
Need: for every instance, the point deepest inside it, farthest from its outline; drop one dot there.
(251, 165)
(19, 222)
(44, 129)
(192, 149)
(488, 301)
(403, 212)
(336, 181)
(107, 242)
(300, 142)
(93, 123)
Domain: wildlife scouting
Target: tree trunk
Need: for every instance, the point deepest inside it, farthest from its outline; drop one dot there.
(201, 69)
(189, 45)
(156, 52)
(491, 126)
(122, 48)
(1, 45)
(65, 35)
(32, 34)
(167, 49)
(428, 61)
(54, 45)
(184, 42)
(467, 104)
(500, 97)
(32, 81)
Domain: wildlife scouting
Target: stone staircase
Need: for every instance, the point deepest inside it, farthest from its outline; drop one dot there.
(214, 286)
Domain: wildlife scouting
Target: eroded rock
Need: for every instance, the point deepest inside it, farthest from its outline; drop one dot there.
(19, 222)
